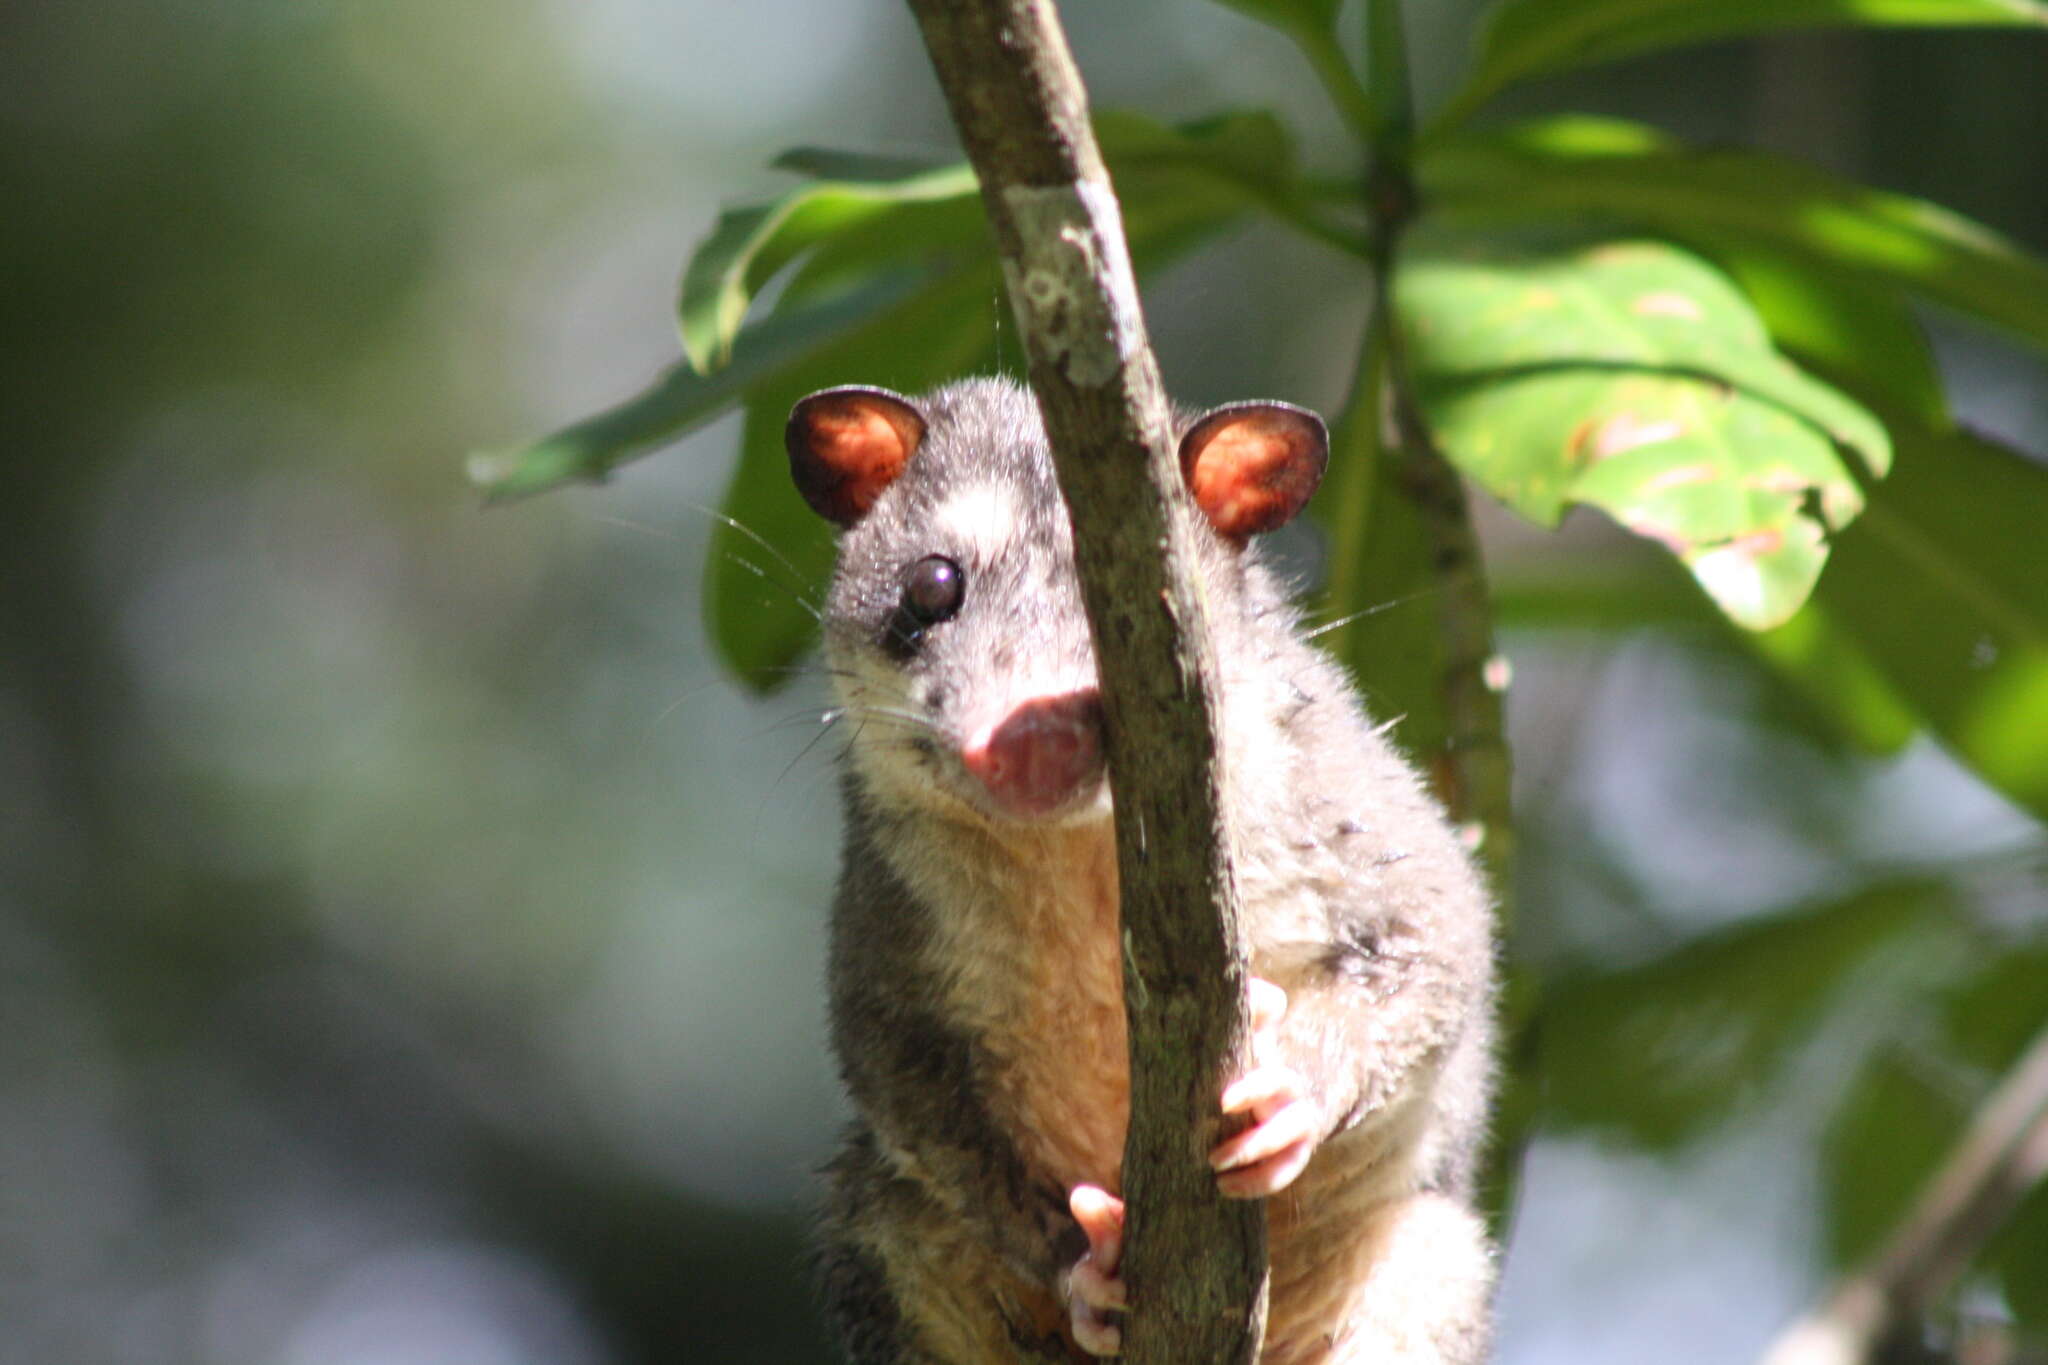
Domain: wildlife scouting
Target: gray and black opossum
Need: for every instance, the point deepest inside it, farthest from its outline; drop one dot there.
(976, 985)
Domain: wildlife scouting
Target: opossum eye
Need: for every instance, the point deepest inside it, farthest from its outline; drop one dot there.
(933, 590)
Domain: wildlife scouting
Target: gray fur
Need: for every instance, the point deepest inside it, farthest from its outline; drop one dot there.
(947, 1227)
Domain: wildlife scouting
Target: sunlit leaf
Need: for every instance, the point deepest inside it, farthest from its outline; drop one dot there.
(1944, 584)
(1845, 326)
(1866, 673)
(1660, 1052)
(1523, 38)
(751, 242)
(1572, 169)
(1633, 377)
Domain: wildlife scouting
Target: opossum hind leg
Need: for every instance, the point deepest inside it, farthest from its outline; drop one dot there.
(906, 1284)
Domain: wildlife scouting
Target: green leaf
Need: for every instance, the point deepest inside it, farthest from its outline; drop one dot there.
(1866, 337)
(877, 211)
(838, 163)
(1601, 597)
(2019, 1257)
(1942, 583)
(1994, 1016)
(1854, 332)
(1249, 150)
(1908, 1109)
(1290, 16)
(680, 400)
(1991, 1021)
(751, 242)
(1573, 169)
(1660, 1052)
(1523, 38)
(1633, 377)
(1834, 674)
(1231, 161)
(1878, 1151)
(1825, 667)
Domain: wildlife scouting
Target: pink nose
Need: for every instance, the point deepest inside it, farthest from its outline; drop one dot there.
(1044, 754)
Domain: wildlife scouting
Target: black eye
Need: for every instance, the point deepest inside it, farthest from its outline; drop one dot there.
(933, 590)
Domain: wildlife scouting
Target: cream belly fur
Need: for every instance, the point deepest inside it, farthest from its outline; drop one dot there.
(1352, 1243)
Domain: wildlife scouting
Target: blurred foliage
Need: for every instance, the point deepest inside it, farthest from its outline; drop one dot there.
(411, 947)
(1627, 374)
(1660, 1051)
(1620, 371)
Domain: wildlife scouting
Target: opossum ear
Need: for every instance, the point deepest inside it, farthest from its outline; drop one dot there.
(1252, 466)
(847, 445)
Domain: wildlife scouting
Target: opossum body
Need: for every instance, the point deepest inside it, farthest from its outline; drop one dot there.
(976, 988)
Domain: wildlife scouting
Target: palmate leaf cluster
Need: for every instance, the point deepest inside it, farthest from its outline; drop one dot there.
(1717, 348)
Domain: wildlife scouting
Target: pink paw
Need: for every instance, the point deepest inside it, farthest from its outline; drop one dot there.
(1093, 1289)
(1286, 1123)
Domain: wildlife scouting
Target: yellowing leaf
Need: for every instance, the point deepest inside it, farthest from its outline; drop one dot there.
(1633, 377)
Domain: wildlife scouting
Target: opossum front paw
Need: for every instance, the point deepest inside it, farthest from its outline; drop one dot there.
(1286, 1122)
(1093, 1289)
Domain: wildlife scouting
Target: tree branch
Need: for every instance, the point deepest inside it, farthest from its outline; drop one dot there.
(1194, 1262)
(2002, 1156)
(1472, 771)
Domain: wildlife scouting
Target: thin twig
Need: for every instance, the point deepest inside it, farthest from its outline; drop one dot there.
(2002, 1155)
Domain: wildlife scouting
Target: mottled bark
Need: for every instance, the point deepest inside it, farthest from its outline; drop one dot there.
(1194, 1262)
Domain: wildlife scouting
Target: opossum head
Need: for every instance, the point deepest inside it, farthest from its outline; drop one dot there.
(954, 628)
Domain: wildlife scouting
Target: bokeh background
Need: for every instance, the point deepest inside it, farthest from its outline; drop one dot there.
(411, 942)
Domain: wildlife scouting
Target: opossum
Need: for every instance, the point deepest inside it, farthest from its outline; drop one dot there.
(975, 980)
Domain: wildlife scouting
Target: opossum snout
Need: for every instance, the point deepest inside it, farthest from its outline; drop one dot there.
(1045, 754)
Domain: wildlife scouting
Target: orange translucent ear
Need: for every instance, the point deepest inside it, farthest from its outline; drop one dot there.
(1252, 466)
(847, 445)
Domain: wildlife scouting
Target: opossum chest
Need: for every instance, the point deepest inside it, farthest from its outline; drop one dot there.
(1036, 973)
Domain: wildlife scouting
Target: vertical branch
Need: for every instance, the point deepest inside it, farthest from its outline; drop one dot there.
(1194, 1262)
(1471, 770)
(1392, 129)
